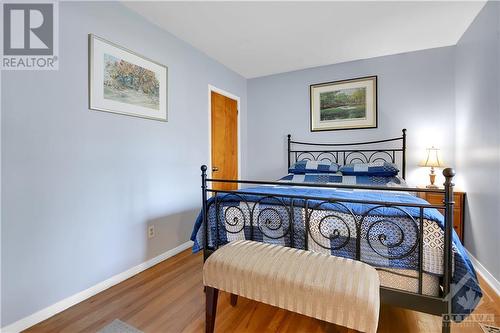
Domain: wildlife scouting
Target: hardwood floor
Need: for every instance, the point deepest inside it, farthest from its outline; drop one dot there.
(169, 298)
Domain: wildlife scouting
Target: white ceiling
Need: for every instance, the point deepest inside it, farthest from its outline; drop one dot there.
(262, 38)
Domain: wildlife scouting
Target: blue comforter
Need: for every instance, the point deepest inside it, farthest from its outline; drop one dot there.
(465, 289)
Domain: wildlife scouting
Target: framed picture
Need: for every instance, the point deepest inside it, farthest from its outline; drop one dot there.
(346, 104)
(121, 81)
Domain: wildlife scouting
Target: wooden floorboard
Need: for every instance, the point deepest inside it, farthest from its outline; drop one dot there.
(169, 298)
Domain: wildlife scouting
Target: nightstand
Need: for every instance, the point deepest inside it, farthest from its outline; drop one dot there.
(458, 208)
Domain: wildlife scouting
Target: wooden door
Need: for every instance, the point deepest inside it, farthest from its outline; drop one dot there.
(224, 140)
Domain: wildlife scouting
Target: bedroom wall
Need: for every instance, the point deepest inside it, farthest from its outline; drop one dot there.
(80, 187)
(477, 136)
(415, 91)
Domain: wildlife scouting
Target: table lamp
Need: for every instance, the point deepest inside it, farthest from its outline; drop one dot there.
(432, 160)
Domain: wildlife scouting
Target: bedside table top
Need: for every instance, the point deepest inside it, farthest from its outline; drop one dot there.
(455, 189)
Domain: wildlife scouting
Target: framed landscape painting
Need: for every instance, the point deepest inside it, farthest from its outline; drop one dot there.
(121, 81)
(341, 105)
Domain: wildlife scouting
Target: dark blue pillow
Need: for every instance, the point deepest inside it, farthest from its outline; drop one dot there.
(313, 167)
(381, 169)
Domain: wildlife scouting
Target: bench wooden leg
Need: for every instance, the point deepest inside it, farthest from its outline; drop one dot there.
(234, 299)
(211, 308)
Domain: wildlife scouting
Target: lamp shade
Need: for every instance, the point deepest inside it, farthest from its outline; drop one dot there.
(432, 158)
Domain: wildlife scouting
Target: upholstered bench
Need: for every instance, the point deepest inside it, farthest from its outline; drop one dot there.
(337, 290)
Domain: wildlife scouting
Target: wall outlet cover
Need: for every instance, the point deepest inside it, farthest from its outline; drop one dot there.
(151, 231)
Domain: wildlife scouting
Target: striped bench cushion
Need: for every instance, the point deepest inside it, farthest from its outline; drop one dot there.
(337, 290)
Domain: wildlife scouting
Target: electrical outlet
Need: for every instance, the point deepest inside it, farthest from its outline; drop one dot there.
(151, 231)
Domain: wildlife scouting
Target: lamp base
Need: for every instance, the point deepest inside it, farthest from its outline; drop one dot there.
(432, 178)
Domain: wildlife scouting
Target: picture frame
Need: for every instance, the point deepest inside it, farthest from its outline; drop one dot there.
(124, 82)
(343, 105)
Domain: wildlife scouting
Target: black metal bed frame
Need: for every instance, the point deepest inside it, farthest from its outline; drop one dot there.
(269, 221)
(346, 156)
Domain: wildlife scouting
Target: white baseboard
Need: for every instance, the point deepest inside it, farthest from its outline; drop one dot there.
(487, 276)
(60, 306)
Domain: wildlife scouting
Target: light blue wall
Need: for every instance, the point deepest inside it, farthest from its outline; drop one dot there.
(478, 139)
(415, 90)
(79, 186)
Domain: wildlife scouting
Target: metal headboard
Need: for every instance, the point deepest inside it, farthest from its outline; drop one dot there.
(358, 154)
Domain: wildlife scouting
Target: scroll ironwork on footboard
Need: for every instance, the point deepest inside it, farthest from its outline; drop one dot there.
(363, 225)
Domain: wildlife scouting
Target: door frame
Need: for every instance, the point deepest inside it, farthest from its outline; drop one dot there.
(212, 88)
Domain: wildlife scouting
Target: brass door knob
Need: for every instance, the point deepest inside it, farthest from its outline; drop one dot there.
(215, 169)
